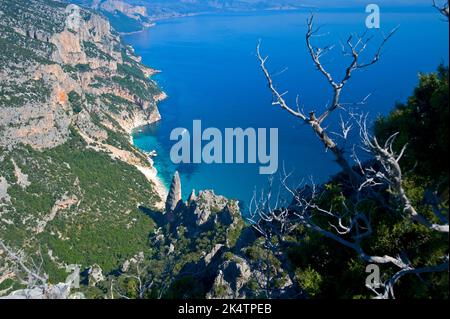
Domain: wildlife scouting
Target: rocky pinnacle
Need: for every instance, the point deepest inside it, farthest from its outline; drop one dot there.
(174, 196)
(192, 197)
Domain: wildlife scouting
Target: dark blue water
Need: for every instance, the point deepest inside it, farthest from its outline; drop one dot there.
(211, 73)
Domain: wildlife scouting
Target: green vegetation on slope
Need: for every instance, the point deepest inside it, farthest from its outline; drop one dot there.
(103, 226)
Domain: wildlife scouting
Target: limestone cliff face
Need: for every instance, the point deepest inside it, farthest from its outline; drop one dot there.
(77, 66)
(125, 15)
(130, 11)
(70, 94)
(92, 29)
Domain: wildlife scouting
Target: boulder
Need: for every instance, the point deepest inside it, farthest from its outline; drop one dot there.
(208, 204)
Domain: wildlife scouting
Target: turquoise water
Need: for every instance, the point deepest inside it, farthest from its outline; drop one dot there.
(211, 73)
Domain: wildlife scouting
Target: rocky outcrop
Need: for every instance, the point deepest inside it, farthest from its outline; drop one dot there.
(132, 262)
(44, 290)
(206, 205)
(4, 196)
(203, 212)
(234, 261)
(127, 16)
(22, 179)
(232, 277)
(37, 35)
(64, 203)
(59, 291)
(92, 29)
(95, 275)
(212, 253)
(174, 197)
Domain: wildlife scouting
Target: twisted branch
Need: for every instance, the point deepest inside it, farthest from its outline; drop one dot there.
(356, 48)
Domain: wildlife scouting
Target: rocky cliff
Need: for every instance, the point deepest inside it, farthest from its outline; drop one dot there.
(68, 74)
(71, 182)
(134, 12)
(135, 15)
(210, 252)
(124, 15)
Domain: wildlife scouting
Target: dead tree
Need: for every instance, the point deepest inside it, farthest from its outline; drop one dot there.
(138, 272)
(355, 46)
(391, 175)
(31, 274)
(271, 221)
(26, 270)
(351, 224)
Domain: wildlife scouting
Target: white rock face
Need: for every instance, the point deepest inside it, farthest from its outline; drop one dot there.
(22, 179)
(208, 204)
(94, 29)
(4, 196)
(232, 276)
(125, 266)
(59, 291)
(192, 197)
(73, 20)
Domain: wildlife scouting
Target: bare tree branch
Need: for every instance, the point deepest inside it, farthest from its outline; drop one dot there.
(356, 48)
(279, 100)
(140, 275)
(356, 45)
(393, 177)
(351, 227)
(350, 223)
(388, 286)
(33, 274)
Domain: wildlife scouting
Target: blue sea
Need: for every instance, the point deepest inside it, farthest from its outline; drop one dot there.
(211, 73)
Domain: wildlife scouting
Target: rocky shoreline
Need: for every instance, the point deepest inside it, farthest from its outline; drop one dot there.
(150, 172)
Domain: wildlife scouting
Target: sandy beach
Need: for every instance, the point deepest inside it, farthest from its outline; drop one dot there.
(151, 174)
